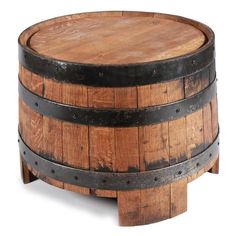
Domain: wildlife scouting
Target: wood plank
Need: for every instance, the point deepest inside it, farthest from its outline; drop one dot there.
(127, 159)
(177, 150)
(154, 153)
(206, 120)
(129, 207)
(36, 134)
(207, 116)
(52, 128)
(126, 139)
(194, 121)
(24, 112)
(141, 38)
(214, 110)
(101, 139)
(148, 205)
(36, 120)
(75, 136)
(25, 125)
(20, 114)
(26, 174)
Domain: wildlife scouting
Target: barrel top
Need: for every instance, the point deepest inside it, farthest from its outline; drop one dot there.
(117, 38)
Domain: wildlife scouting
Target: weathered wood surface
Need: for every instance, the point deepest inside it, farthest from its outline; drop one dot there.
(117, 39)
(141, 37)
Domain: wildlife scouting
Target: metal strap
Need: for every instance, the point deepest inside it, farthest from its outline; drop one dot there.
(110, 117)
(117, 75)
(118, 181)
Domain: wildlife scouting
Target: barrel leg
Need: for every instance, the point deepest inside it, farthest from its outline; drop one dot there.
(215, 167)
(26, 174)
(138, 207)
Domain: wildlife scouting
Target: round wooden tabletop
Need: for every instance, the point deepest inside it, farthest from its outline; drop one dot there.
(117, 39)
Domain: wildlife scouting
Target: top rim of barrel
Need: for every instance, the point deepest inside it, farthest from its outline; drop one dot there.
(117, 75)
(118, 38)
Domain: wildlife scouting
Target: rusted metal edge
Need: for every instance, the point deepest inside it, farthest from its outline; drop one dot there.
(124, 75)
(110, 117)
(114, 180)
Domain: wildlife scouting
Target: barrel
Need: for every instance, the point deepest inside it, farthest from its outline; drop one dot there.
(119, 105)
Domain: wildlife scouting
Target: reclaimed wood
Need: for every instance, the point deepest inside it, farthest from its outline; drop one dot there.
(37, 86)
(127, 158)
(26, 175)
(52, 129)
(214, 110)
(120, 38)
(137, 38)
(177, 150)
(25, 126)
(75, 136)
(154, 153)
(194, 121)
(101, 139)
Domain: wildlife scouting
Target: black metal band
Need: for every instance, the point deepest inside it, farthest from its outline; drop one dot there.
(117, 75)
(118, 181)
(117, 117)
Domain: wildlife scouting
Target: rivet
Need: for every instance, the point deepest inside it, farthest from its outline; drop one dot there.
(177, 110)
(18, 140)
(197, 164)
(194, 62)
(154, 72)
(155, 179)
(128, 182)
(76, 177)
(104, 181)
(218, 143)
(180, 172)
(36, 163)
(24, 152)
(100, 74)
(210, 155)
(52, 171)
(36, 104)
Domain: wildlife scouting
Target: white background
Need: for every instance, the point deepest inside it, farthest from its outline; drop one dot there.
(40, 209)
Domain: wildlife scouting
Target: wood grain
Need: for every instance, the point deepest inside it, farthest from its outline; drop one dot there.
(121, 38)
(25, 123)
(214, 118)
(52, 128)
(75, 136)
(127, 159)
(177, 150)
(154, 153)
(194, 121)
(26, 174)
(101, 139)
(214, 110)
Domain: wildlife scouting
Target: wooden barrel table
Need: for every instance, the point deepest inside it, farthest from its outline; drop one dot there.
(119, 105)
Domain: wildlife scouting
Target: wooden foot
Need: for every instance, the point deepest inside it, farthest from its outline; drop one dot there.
(147, 206)
(215, 167)
(26, 175)
(178, 198)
